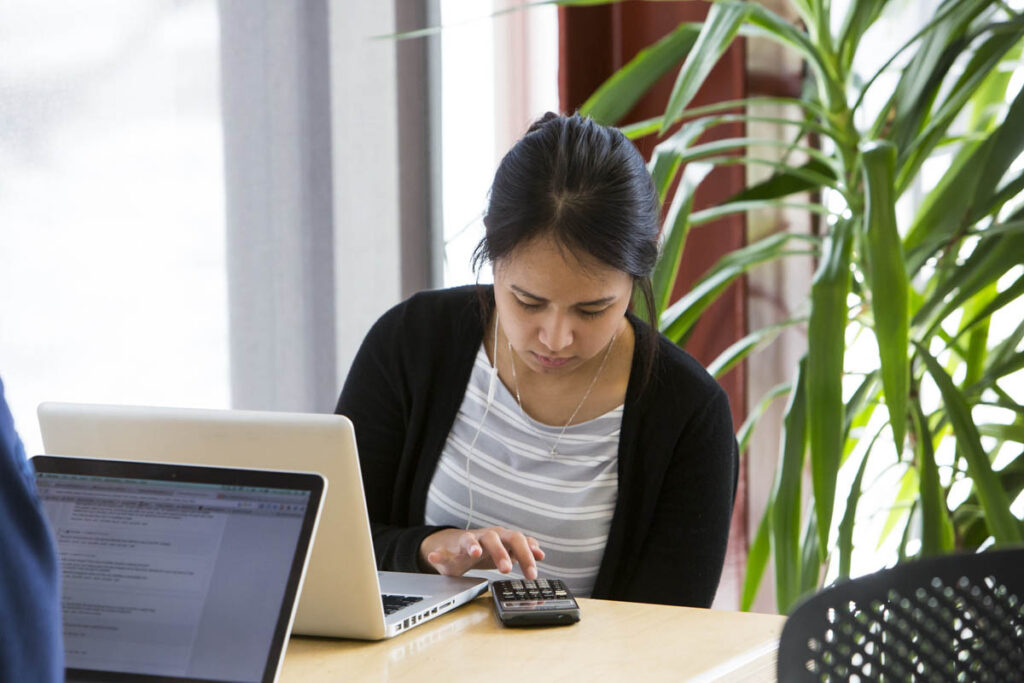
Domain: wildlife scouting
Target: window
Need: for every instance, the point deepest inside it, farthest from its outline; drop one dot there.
(111, 206)
(498, 74)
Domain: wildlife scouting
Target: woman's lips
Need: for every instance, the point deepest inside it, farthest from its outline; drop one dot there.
(550, 362)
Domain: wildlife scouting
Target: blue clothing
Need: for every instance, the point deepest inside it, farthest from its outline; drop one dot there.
(30, 621)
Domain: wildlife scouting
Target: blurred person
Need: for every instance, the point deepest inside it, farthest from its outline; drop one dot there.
(31, 646)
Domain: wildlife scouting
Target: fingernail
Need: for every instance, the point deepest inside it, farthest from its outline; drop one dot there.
(506, 566)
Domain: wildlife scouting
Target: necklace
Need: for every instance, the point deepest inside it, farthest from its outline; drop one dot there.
(553, 453)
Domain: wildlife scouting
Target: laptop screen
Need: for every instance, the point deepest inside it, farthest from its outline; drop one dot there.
(173, 578)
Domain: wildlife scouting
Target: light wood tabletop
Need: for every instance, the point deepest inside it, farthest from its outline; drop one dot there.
(613, 641)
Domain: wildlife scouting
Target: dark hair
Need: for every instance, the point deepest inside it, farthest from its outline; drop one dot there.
(587, 187)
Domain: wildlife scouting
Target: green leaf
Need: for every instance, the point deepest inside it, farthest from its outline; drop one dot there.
(1003, 354)
(714, 147)
(618, 94)
(977, 339)
(716, 212)
(859, 410)
(757, 560)
(992, 93)
(668, 155)
(883, 265)
(1007, 192)
(677, 227)
(825, 352)
(859, 17)
(730, 159)
(764, 23)
(678, 319)
(747, 428)
(739, 350)
(1002, 228)
(920, 79)
(788, 182)
(968, 519)
(845, 544)
(908, 526)
(1005, 527)
(933, 226)
(811, 562)
(650, 126)
(900, 508)
(803, 8)
(785, 499)
(717, 33)
(1003, 432)
(916, 147)
(1004, 368)
(1001, 300)
(989, 261)
(936, 528)
(1001, 401)
(949, 277)
(723, 117)
(950, 22)
(972, 182)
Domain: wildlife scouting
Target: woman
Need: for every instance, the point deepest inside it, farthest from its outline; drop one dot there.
(538, 422)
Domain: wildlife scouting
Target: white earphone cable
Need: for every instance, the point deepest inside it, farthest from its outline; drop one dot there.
(491, 388)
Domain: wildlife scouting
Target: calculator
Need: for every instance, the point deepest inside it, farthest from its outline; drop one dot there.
(543, 602)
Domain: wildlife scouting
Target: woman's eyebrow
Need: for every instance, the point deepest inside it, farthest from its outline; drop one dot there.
(523, 292)
(596, 302)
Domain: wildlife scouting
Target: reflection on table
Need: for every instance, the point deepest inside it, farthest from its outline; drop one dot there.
(613, 641)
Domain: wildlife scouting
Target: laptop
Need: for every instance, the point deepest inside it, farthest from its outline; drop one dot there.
(174, 572)
(344, 594)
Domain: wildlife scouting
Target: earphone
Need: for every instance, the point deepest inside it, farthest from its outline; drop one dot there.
(492, 386)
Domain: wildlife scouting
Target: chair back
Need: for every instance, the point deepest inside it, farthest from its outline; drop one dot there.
(949, 618)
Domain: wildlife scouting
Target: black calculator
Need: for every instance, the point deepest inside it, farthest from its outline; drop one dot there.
(544, 602)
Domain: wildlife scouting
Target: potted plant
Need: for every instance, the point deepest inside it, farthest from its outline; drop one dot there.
(925, 290)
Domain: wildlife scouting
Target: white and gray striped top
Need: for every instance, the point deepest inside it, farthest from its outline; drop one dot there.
(566, 503)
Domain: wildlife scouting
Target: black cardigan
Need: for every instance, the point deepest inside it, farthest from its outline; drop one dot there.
(677, 453)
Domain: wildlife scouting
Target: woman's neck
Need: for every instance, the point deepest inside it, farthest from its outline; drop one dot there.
(590, 390)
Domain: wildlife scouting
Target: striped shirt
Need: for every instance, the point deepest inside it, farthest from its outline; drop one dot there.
(565, 502)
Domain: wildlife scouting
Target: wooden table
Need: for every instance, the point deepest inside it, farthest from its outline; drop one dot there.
(614, 641)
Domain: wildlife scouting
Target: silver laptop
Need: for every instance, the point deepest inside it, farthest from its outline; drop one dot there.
(177, 572)
(344, 595)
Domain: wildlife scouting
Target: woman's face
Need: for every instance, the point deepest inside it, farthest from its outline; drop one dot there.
(558, 311)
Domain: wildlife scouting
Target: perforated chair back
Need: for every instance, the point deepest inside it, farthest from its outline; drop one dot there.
(950, 618)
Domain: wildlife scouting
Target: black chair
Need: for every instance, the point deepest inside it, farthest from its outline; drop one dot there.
(951, 618)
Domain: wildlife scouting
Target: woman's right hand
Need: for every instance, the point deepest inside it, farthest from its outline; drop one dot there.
(453, 552)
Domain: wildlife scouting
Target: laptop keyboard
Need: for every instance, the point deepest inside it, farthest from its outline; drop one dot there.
(393, 603)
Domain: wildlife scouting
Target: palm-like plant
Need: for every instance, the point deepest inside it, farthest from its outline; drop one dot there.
(926, 290)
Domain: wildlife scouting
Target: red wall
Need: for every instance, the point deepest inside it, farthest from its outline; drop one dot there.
(593, 43)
